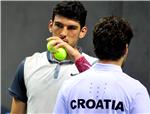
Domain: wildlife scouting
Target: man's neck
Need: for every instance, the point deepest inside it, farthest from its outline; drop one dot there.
(118, 62)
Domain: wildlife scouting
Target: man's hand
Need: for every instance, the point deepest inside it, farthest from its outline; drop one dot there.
(57, 42)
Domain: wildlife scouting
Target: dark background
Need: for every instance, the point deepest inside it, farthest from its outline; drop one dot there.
(24, 28)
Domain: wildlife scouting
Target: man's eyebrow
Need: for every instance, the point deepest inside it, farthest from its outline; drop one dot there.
(57, 22)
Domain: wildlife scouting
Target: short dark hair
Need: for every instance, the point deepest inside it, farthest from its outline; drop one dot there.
(110, 36)
(72, 10)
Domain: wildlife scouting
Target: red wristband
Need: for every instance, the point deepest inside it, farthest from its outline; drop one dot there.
(82, 64)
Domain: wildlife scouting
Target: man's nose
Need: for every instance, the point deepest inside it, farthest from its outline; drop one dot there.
(63, 33)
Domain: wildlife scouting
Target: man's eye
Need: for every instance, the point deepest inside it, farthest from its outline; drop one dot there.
(59, 25)
(72, 27)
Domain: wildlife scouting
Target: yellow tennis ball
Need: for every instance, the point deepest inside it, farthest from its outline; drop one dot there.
(61, 54)
(50, 48)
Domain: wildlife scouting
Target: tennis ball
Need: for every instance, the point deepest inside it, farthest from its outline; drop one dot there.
(50, 48)
(59, 54)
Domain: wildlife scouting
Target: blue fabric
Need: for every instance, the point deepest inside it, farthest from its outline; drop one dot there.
(17, 88)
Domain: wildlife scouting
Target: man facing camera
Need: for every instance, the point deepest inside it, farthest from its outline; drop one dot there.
(39, 77)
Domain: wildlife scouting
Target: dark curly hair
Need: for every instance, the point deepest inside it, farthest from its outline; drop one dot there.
(110, 36)
(72, 10)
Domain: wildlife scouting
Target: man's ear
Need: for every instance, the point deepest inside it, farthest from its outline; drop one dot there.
(50, 24)
(83, 32)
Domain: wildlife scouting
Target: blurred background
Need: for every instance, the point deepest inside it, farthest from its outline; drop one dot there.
(24, 29)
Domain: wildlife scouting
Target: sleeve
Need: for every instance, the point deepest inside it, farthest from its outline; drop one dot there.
(17, 88)
(61, 105)
(82, 64)
(141, 104)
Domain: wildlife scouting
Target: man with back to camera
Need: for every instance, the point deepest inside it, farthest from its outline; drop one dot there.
(39, 77)
(105, 88)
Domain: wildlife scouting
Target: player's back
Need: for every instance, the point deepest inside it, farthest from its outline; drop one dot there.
(103, 89)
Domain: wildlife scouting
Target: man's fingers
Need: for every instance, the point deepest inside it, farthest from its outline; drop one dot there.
(52, 38)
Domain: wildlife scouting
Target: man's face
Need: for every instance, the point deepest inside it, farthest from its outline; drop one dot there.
(67, 29)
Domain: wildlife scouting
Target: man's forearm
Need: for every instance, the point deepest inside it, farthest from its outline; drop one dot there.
(18, 107)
